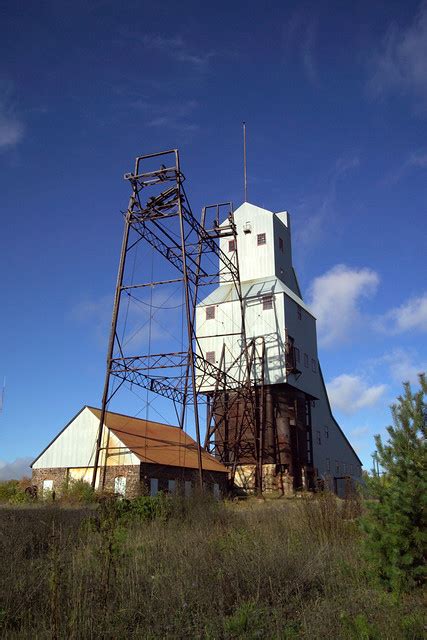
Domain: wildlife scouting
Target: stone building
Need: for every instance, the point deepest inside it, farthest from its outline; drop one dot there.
(137, 456)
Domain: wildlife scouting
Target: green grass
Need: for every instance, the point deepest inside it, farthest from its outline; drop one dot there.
(175, 568)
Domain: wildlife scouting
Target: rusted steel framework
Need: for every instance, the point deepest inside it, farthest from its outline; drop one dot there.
(160, 215)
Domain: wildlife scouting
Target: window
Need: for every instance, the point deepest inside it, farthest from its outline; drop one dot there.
(299, 311)
(216, 491)
(305, 360)
(210, 356)
(187, 488)
(297, 354)
(120, 486)
(267, 302)
(171, 486)
(328, 464)
(313, 365)
(47, 486)
(210, 313)
(319, 440)
(261, 239)
(281, 244)
(231, 245)
(351, 470)
(154, 486)
(326, 431)
(337, 466)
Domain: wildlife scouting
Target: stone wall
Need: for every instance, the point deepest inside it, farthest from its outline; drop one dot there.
(57, 474)
(137, 478)
(132, 475)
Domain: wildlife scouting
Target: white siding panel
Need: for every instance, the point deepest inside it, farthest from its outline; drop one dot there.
(75, 446)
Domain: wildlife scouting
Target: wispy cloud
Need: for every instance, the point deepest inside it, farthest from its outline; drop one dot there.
(415, 160)
(12, 128)
(300, 35)
(177, 48)
(400, 64)
(342, 289)
(409, 316)
(179, 116)
(15, 470)
(359, 432)
(146, 318)
(350, 393)
(404, 365)
(315, 216)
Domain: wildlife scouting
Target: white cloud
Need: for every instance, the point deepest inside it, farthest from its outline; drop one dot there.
(350, 393)
(404, 365)
(358, 432)
(410, 316)
(15, 470)
(400, 65)
(335, 299)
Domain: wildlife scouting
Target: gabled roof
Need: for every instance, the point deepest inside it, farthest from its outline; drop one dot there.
(154, 442)
(253, 289)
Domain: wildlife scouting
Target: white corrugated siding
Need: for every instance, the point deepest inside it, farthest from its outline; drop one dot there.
(75, 446)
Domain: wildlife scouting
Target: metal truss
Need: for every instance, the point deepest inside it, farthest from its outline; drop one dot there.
(159, 214)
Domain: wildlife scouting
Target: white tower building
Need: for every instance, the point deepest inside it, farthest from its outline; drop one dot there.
(301, 441)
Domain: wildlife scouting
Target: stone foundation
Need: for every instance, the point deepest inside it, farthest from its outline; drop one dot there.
(137, 478)
(272, 480)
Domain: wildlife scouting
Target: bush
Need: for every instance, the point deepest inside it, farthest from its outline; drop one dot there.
(77, 492)
(396, 523)
(12, 492)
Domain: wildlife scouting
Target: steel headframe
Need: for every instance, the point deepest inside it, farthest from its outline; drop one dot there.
(157, 198)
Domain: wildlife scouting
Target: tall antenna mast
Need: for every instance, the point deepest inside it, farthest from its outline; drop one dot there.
(244, 163)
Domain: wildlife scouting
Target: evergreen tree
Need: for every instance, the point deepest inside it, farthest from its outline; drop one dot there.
(396, 521)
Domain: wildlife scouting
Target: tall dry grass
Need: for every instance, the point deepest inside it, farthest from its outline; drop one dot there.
(282, 569)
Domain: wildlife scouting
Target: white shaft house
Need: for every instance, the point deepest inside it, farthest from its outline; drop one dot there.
(301, 440)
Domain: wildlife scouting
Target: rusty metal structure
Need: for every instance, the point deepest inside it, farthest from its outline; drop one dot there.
(159, 215)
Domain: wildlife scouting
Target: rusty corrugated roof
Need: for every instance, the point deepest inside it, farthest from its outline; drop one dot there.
(158, 443)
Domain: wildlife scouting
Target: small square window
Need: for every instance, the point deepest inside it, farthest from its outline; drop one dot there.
(319, 440)
(297, 354)
(261, 239)
(267, 302)
(313, 365)
(299, 311)
(210, 313)
(328, 464)
(231, 245)
(305, 360)
(281, 244)
(210, 357)
(344, 468)
(326, 432)
(337, 466)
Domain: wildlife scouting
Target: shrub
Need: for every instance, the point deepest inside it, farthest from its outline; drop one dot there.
(12, 492)
(396, 520)
(77, 492)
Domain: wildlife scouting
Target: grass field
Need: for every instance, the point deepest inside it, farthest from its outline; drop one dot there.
(173, 568)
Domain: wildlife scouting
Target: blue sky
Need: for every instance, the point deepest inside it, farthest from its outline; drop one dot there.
(335, 100)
